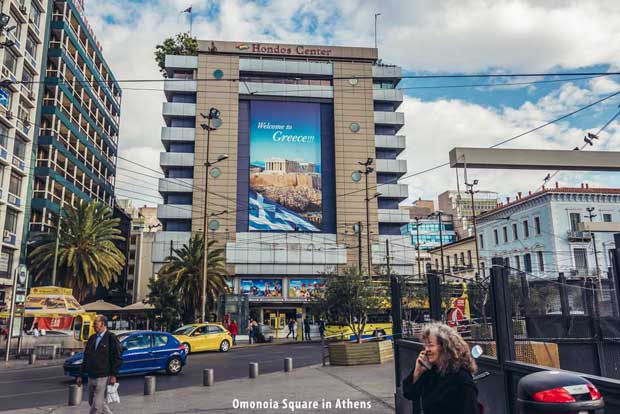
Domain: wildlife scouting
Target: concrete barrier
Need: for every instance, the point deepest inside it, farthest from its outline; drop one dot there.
(149, 385)
(288, 364)
(253, 369)
(75, 395)
(208, 377)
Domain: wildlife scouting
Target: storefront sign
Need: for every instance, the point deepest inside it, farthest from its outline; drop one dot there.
(261, 288)
(286, 50)
(304, 288)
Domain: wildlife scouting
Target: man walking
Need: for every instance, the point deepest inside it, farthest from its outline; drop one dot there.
(103, 357)
(234, 330)
(307, 329)
(291, 328)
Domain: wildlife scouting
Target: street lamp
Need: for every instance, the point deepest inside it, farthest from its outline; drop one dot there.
(598, 269)
(470, 190)
(356, 176)
(213, 122)
(439, 214)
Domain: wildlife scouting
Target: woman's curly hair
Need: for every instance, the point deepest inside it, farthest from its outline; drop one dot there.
(455, 353)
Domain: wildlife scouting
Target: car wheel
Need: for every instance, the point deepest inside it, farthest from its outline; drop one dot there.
(188, 348)
(225, 346)
(174, 366)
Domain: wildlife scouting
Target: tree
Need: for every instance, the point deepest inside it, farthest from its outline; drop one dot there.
(181, 44)
(185, 268)
(349, 298)
(164, 296)
(87, 256)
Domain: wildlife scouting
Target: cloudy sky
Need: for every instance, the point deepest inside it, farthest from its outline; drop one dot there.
(424, 37)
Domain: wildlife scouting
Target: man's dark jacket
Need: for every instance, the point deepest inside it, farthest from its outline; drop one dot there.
(106, 360)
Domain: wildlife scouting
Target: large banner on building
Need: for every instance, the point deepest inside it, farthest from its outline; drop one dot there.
(266, 288)
(285, 167)
(305, 288)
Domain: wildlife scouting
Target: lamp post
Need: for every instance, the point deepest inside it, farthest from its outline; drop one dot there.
(417, 245)
(470, 190)
(356, 176)
(439, 214)
(57, 245)
(212, 117)
(598, 269)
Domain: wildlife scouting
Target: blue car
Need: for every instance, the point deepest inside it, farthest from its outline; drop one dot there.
(143, 352)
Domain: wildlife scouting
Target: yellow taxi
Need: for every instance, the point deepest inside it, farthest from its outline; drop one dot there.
(204, 337)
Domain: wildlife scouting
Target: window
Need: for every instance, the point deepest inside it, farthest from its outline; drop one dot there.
(10, 222)
(185, 147)
(505, 234)
(436, 263)
(507, 264)
(483, 269)
(481, 237)
(27, 80)
(495, 236)
(537, 224)
(15, 184)
(527, 262)
(6, 262)
(160, 340)
(469, 258)
(140, 341)
(448, 262)
(541, 262)
(10, 60)
(456, 260)
(35, 16)
(515, 231)
(19, 149)
(526, 229)
(518, 263)
(607, 218)
(581, 260)
(18, 26)
(462, 258)
(31, 47)
(575, 218)
(214, 329)
(4, 135)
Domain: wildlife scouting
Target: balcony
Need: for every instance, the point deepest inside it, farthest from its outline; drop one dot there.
(579, 236)
(387, 95)
(33, 29)
(31, 63)
(13, 200)
(179, 86)
(386, 72)
(285, 66)
(391, 141)
(396, 119)
(4, 154)
(176, 159)
(400, 191)
(174, 211)
(177, 109)
(176, 185)
(22, 10)
(393, 216)
(286, 89)
(19, 165)
(392, 166)
(176, 134)
(181, 62)
(9, 238)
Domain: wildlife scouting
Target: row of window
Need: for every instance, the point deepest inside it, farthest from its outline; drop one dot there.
(516, 234)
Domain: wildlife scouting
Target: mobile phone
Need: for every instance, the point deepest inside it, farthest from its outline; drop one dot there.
(425, 363)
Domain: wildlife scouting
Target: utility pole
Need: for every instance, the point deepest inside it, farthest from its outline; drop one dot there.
(358, 229)
(439, 214)
(367, 170)
(470, 190)
(417, 245)
(598, 269)
(57, 246)
(376, 15)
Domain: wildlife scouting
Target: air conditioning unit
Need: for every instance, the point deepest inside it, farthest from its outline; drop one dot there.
(9, 115)
(7, 234)
(31, 96)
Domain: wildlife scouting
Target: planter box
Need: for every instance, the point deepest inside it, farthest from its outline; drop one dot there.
(370, 352)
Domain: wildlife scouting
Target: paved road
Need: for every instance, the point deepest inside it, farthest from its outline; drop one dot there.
(36, 387)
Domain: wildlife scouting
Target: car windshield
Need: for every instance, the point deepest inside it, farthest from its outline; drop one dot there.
(184, 330)
(122, 337)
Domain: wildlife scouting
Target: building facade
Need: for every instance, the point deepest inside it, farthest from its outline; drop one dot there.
(459, 259)
(296, 122)
(538, 234)
(458, 204)
(21, 56)
(77, 139)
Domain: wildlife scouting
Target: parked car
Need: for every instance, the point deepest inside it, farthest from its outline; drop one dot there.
(143, 352)
(204, 337)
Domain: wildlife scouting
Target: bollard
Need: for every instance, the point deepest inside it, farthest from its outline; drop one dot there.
(75, 395)
(288, 364)
(253, 369)
(149, 385)
(32, 358)
(207, 377)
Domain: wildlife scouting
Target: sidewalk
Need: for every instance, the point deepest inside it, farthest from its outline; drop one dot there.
(18, 364)
(366, 389)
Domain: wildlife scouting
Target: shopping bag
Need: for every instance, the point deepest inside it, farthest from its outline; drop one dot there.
(112, 394)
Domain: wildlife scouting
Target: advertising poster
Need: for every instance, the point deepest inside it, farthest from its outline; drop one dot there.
(262, 288)
(304, 288)
(285, 191)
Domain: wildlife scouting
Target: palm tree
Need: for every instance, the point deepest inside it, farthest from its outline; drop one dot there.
(185, 268)
(87, 256)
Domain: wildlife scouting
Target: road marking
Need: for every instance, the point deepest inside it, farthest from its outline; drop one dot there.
(34, 379)
(33, 392)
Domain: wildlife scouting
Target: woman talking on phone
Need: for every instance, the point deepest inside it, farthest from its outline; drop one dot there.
(442, 378)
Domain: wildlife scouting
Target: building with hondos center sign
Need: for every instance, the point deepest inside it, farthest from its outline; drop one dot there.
(283, 196)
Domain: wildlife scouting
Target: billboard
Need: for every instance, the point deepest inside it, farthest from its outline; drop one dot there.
(285, 190)
(265, 288)
(304, 288)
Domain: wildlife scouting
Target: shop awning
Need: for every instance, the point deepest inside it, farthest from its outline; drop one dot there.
(139, 306)
(101, 306)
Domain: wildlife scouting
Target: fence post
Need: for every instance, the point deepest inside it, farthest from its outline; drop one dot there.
(434, 295)
(564, 306)
(501, 305)
(615, 253)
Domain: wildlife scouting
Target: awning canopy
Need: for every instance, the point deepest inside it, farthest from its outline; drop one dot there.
(139, 306)
(101, 306)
